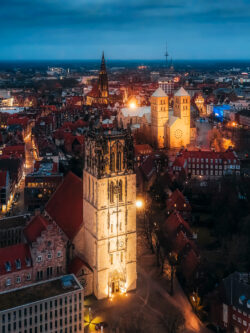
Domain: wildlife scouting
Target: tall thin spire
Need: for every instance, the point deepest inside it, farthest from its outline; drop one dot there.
(103, 64)
(166, 54)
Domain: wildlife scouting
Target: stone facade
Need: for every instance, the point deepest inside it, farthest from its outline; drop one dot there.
(48, 254)
(109, 212)
(170, 128)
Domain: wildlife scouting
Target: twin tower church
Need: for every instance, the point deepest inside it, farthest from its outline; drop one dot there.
(170, 128)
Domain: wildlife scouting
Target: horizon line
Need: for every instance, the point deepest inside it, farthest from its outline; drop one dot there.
(136, 59)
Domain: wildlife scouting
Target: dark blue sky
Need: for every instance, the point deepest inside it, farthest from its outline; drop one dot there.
(125, 29)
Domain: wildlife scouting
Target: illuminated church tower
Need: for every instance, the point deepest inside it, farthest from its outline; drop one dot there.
(159, 117)
(109, 211)
(103, 80)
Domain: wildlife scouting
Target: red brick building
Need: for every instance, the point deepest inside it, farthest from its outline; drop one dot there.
(206, 164)
(230, 308)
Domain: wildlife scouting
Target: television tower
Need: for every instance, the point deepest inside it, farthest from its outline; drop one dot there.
(166, 55)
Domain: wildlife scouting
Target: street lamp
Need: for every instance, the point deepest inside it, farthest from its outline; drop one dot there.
(139, 203)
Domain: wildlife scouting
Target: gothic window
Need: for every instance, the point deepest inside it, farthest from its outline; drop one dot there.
(112, 162)
(120, 190)
(112, 190)
(118, 161)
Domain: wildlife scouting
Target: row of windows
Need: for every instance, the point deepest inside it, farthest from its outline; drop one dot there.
(49, 256)
(207, 166)
(211, 173)
(44, 328)
(45, 306)
(120, 257)
(239, 310)
(211, 160)
(239, 320)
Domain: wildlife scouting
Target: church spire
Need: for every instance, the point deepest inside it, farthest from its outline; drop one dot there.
(103, 64)
(103, 79)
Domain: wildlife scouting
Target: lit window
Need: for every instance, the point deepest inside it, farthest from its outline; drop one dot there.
(39, 259)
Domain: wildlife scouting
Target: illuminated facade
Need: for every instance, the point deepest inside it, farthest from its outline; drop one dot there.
(109, 211)
(170, 128)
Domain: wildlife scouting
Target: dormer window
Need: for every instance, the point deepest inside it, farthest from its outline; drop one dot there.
(28, 262)
(18, 263)
(8, 266)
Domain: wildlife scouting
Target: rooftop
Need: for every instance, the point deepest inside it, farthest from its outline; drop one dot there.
(181, 92)
(159, 93)
(38, 291)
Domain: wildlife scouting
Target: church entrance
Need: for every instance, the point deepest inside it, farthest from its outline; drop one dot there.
(115, 287)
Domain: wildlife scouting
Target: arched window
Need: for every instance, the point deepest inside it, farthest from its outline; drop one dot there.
(118, 161)
(120, 190)
(112, 192)
(112, 162)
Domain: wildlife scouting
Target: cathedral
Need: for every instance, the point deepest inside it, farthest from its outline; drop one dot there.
(109, 211)
(100, 92)
(170, 128)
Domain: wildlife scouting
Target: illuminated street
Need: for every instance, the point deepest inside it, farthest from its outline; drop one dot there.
(142, 308)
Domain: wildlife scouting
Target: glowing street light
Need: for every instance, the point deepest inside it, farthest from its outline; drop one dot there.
(132, 105)
(139, 203)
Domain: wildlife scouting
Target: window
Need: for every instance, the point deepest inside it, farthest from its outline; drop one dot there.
(111, 259)
(49, 255)
(121, 256)
(112, 162)
(59, 254)
(118, 161)
(28, 276)
(39, 259)
(112, 192)
(18, 279)
(8, 282)
(120, 190)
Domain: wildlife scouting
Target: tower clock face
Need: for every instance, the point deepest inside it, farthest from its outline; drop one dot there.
(178, 133)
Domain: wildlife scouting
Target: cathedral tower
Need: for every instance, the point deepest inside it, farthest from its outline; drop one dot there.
(159, 117)
(103, 80)
(109, 211)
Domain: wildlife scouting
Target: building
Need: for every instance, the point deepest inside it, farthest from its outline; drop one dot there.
(231, 304)
(170, 128)
(109, 211)
(5, 190)
(206, 164)
(178, 202)
(41, 184)
(49, 306)
(11, 229)
(167, 86)
(100, 92)
(38, 253)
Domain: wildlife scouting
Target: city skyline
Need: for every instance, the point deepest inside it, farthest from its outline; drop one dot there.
(35, 30)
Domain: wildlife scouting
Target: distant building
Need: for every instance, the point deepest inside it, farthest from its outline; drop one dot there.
(100, 92)
(49, 306)
(167, 86)
(5, 190)
(230, 308)
(170, 129)
(206, 164)
(11, 229)
(41, 184)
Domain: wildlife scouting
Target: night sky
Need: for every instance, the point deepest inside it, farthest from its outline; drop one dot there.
(128, 29)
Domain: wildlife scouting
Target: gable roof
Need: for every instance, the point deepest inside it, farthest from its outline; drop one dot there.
(35, 228)
(12, 254)
(181, 92)
(65, 206)
(178, 201)
(159, 93)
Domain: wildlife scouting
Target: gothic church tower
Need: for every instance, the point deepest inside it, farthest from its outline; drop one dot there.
(109, 211)
(159, 117)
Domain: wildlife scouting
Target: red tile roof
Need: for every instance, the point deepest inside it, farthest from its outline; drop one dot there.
(189, 263)
(35, 228)
(76, 265)
(174, 223)
(11, 254)
(65, 206)
(178, 201)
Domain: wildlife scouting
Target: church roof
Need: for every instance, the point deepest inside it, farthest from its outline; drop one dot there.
(159, 93)
(65, 206)
(181, 92)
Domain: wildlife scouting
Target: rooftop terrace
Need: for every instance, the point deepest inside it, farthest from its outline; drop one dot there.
(38, 292)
